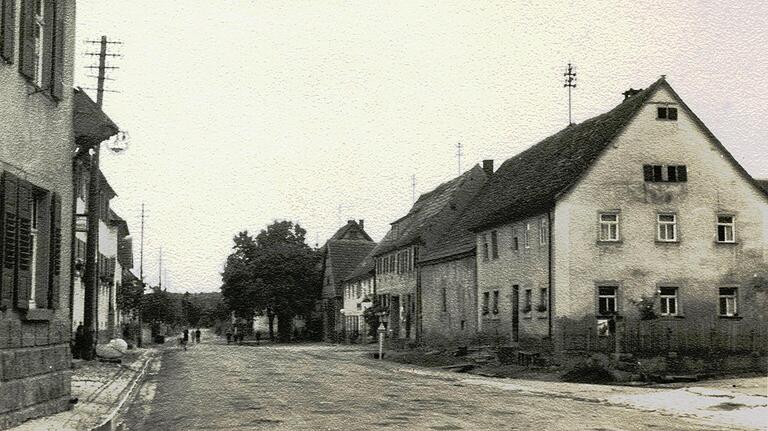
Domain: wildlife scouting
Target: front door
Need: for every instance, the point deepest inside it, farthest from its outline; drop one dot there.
(394, 316)
(515, 313)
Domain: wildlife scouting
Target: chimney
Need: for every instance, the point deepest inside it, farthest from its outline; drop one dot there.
(631, 92)
(361, 223)
(488, 167)
(350, 222)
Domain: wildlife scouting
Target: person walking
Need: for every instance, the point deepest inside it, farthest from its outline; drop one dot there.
(197, 336)
(185, 339)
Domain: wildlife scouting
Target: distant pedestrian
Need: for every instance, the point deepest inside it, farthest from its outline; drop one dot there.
(197, 335)
(185, 339)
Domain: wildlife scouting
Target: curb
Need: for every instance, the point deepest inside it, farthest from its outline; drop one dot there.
(108, 423)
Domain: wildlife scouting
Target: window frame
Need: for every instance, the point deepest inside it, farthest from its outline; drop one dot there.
(670, 113)
(735, 300)
(494, 244)
(608, 223)
(527, 300)
(543, 230)
(495, 309)
(515, 243)
(666, 224)
(484, 244)
(725, 225)
(665, 299)
(600, 296)
(527, 233)
(486, 302)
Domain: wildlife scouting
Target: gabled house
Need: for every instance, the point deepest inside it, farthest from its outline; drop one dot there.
(342, 253)
(36, 72)
(398, 286)
(636, 215)
(359, 289)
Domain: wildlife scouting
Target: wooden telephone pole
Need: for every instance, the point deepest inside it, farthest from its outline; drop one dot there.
(570, 82)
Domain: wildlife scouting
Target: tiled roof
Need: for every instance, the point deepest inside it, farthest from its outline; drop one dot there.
(91, 125)
(352, 228)
(458, 240)
(530, 182)
(364, 269)
(345, 255)
(763, 184)
(427, 215)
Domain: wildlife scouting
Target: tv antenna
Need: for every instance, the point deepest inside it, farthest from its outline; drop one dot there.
(459, 153)
(570, 82)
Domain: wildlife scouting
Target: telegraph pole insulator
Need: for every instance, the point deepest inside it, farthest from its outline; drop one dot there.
(570, 82)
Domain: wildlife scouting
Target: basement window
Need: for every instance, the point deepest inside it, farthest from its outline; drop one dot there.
(666, 113)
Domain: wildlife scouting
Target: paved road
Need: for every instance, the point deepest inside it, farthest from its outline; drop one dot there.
(214, 386)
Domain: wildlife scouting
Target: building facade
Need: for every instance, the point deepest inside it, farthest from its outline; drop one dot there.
(36, 69)
(649, 226)
(342, 253)
(359, 290)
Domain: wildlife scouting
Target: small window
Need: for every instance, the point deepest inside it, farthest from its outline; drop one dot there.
(495, 302)
(543, 299)
(528, 301)
(515, 239)
(609, 227)
(494, 244)
(665, 173)
(726, 228)
(666, 113)
(485, 247)
(668, 298)
(543, 231)
(606, 300)
(527, 238)
(486, 300)
(727, 302)
(667, 228)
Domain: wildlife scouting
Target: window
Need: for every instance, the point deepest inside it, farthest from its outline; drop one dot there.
(485, 247)
(486, 300)
(727, 302)
(543, 233)
(609, 227)
(668, 298)
(606, 300)
(495, 302)
(34, 254)
(726, 228)
(527, 304)
(666, 113)
(543, 299)
(444, 297)
(667, 227)
(494, 244)
(515, 239)
(665, 173)
(527, 235)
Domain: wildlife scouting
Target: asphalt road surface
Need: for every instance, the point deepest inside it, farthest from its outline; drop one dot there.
(214, 386)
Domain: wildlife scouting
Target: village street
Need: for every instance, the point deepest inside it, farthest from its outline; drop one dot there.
(319, 387)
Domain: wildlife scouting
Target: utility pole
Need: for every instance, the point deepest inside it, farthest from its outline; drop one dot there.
(570, 82)
(160, 271)
(140, 337)
(413, 188)
(458, 155)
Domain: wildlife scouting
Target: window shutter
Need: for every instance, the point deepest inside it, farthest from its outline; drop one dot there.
(47, 69)
(682, 173)
(24, 265)
(7, 30)
(8, 238)
(648, 172)
(54, 268)
(27, 43)
(57, 69)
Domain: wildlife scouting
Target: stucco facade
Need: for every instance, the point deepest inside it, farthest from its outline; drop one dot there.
(449, 301)
(358, 296)
(35, 164)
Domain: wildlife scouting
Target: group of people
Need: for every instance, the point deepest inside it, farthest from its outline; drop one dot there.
(187, 335)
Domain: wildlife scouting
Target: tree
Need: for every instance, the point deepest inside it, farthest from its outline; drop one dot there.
(276, 272)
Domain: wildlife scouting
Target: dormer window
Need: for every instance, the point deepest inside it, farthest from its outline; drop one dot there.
(666, 113)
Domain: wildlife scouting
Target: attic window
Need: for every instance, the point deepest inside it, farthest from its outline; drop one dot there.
(665, 173)
(666, 113)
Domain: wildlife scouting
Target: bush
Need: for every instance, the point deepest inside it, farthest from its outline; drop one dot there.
(588, 372)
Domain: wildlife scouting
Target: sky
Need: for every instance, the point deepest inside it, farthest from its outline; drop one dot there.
(244, 112)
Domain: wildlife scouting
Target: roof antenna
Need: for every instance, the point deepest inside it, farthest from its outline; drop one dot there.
(413, 188)
(458, 155)
(570, 82)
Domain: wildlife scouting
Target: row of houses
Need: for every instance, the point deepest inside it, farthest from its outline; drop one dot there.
(46, 132)
(633, 230)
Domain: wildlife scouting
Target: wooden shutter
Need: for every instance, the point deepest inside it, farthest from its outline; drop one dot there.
(9, 238)
(7, 29)
(57, 68)
(24, 263)
(54, 267)
(47, 69)
(27, 42)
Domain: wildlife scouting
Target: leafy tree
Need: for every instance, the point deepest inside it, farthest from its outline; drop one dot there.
(276, 272)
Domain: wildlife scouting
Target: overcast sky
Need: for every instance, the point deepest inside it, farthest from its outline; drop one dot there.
(243, 112)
